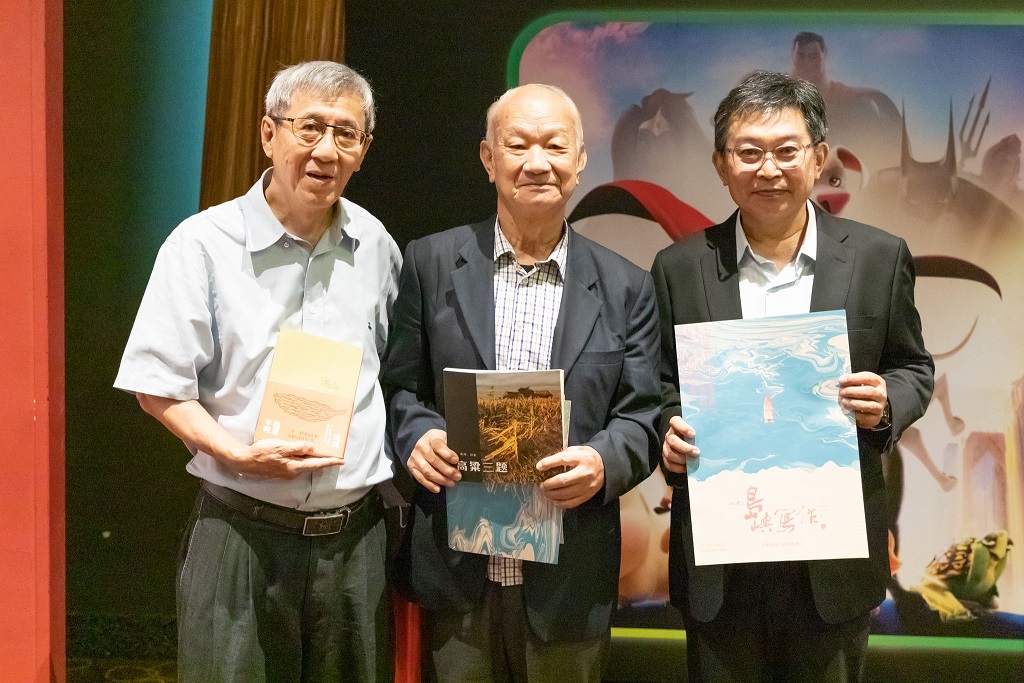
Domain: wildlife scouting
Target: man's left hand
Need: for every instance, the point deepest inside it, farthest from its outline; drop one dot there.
(864, 393)
(578, 485)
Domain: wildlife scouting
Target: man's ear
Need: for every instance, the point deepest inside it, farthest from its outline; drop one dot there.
(820, 154)
(487, 158)
(581, 162)
(719, 162)
(268, 130)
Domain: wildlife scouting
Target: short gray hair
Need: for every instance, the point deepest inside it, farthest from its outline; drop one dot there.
(329, 80)
(768, 93)
(492, 111)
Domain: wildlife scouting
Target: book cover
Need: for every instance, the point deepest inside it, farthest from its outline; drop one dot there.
(486, 516)
(778, 476)
(502, 422)
(311, 391)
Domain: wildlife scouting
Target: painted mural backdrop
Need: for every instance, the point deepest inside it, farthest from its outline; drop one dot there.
(925, 118)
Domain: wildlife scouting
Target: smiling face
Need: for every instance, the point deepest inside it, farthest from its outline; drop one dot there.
(533, 153)
(770, 198)
(308, 179)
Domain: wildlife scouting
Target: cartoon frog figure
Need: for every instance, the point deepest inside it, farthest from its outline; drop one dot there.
(960, 583)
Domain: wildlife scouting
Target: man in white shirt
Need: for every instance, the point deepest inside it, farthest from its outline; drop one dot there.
(777, 255)
(263, 595)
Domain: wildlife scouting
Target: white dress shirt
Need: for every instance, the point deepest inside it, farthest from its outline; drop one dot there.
(765, 290)
(225, 282)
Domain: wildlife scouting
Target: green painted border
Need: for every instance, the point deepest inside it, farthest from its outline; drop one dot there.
(879, 642)
(983, 18)
(924, 17)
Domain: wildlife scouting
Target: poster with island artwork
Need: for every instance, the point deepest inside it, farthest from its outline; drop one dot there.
(778, 476)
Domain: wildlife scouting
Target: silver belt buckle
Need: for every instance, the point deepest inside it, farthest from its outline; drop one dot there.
(325, 525)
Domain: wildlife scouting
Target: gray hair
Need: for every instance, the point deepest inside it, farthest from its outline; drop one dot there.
(767, 93)
(329, 80)
(492, 111)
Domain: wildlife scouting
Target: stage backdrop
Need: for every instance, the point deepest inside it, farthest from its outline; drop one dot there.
(925, 113)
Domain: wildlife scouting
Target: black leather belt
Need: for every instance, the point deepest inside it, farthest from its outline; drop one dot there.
(313, 523)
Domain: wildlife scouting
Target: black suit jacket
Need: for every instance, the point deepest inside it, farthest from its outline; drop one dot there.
(606, 341)
(859, 269)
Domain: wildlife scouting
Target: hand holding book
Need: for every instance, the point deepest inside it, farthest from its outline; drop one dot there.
(432, 463)
(583, 477)
(282, 459)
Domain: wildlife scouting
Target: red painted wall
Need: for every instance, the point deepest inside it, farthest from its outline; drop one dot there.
(32, 640)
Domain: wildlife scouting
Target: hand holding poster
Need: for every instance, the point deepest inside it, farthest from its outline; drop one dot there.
(778, 477)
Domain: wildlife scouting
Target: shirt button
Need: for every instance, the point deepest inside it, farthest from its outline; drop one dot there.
(287, 244)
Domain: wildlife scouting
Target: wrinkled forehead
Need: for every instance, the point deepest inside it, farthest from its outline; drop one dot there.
(536, 111)
(307, 101)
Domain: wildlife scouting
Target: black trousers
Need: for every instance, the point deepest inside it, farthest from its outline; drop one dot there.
(261, 604)
(769, 631)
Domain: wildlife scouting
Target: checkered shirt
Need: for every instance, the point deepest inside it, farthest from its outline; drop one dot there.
(525, 312)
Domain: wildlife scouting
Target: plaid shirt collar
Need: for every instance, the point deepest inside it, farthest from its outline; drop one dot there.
(557, 257)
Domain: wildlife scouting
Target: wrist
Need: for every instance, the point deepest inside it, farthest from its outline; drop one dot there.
(886, 421)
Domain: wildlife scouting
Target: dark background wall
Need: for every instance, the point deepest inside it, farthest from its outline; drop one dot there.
(135, 91)
(135, 97)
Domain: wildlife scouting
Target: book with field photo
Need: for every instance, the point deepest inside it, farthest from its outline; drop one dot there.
(502, 422)
(311, 392)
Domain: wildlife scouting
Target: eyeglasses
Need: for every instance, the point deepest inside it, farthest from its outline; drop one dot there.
(785, 156)
(311, 131)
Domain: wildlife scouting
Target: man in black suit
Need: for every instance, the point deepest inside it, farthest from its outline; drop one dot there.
(523, 291)
(780, 254)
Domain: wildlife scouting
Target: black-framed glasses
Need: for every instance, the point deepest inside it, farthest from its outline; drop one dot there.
(311, 131)
(789, 155)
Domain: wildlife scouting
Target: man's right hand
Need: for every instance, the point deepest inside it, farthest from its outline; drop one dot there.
(678, 448)
(189, 421)
(432, 463)
(279, 458)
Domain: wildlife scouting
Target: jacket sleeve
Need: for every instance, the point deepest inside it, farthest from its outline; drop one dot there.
(905, 365)
(629, 443)
(407, 374)
(668, 368)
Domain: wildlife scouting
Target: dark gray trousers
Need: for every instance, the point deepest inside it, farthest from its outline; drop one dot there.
(495, 644)
(261, 604)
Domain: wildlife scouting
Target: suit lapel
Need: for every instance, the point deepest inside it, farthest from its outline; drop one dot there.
(833, 266)
(473, 281)
(720, 272)
(580, 305)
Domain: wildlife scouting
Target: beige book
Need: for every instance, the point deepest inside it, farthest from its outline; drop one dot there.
(310, 392)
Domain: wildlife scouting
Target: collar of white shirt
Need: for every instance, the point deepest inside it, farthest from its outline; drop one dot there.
(263, 229)
(808, 246)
